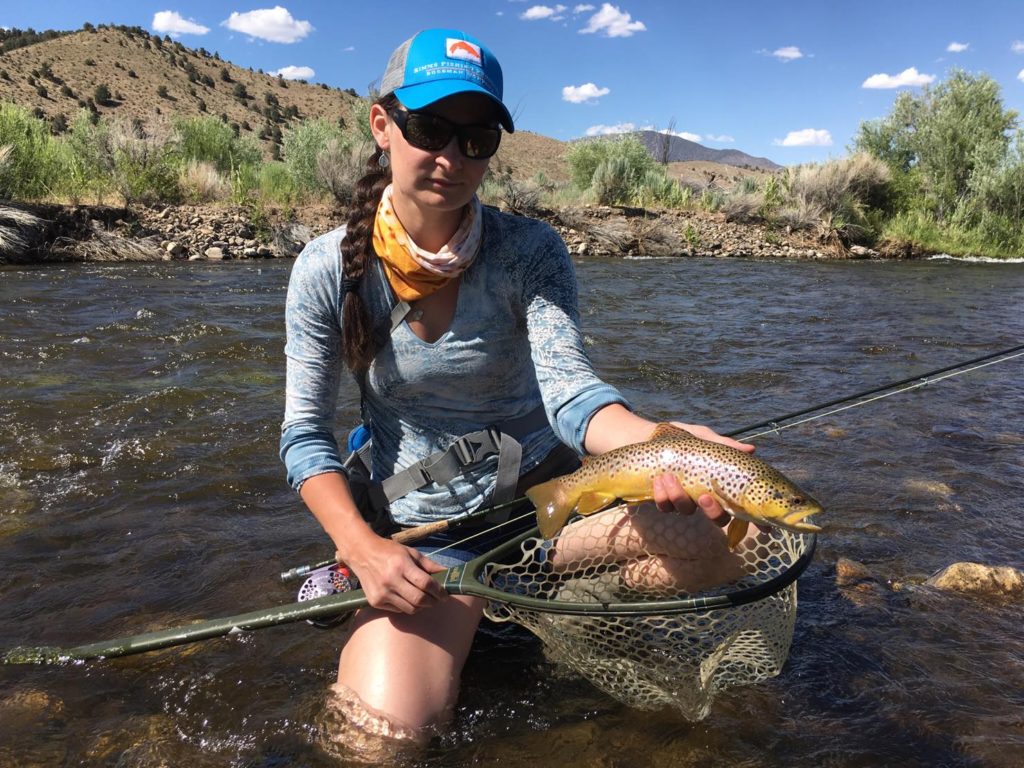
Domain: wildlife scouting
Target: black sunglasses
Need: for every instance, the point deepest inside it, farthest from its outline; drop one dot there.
(432, 133)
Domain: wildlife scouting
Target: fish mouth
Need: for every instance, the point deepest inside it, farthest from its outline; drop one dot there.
(794, 521)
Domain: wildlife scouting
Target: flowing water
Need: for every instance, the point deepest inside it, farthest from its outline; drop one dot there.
(140, 487)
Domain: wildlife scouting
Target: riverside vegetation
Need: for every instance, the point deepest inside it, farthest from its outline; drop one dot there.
(943, 172)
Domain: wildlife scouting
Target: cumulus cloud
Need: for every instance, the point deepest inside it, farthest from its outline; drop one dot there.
(349, 48)
(582, 8)
(586, 93)
(295, 73)
(957, 47)
(788, 53)
(808, 137)
(1020, 75)
(909, 77)
(607, 130)
(171, 23)
(720, 139)
(274, 24)
(1017, 47)
(537, 12)
(612, 23)
(681, 134)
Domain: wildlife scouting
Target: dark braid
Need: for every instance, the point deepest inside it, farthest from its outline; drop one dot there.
(357, 257)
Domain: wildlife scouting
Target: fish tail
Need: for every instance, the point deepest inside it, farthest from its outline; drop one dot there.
(554, 503)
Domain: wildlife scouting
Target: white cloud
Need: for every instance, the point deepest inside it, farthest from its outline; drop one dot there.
(788, 53)
(612, 22)
(721, 139)
(606, 130)
(582, 8)
(957, 47)
(1020, 75)
(579, 94)
(808, 137)
(908, 77)
(274, 24)
(295, 73)
(1017, 47)
(537, 12)
(681, 134)
(349, 48)
(171, 23)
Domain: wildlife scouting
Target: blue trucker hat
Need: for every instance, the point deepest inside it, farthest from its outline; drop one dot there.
(442, 62)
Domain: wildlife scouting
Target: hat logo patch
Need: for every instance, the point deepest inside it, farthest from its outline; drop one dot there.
(462, 49)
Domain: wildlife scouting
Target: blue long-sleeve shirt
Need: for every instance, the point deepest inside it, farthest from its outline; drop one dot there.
(514, 344)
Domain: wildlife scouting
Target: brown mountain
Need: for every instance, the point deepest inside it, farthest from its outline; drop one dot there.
(131, 73)
(145, 76)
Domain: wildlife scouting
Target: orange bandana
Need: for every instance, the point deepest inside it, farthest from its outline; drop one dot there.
(412, 271)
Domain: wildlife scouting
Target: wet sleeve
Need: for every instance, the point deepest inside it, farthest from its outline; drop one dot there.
(571, 391)
(314, 364)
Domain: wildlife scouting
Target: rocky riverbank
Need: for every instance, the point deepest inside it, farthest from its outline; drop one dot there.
(52, 233)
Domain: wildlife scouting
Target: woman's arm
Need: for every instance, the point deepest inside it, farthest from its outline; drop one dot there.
(394, 577)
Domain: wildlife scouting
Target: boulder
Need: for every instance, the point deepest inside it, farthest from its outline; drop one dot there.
(978, 579)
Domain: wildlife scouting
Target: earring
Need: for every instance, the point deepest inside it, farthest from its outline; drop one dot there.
(383, 161)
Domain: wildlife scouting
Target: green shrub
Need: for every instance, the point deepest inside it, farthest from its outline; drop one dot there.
(34, 163)
(301, 147)
(207, 139)
(584, 158)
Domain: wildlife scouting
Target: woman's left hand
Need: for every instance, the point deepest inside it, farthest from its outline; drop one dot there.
(669, 494)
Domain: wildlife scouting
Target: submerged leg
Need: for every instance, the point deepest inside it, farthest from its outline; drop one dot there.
(407, 667)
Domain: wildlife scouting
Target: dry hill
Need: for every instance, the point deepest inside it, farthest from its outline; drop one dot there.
(147, 76)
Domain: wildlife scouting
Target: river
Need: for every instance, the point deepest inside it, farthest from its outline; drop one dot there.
(140, 487)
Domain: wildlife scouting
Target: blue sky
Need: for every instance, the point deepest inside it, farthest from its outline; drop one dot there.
(788, 80)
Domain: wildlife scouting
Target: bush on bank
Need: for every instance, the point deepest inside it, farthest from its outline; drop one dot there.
(197, 159)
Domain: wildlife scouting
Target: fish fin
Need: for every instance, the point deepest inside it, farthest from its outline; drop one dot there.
(594, 501)
(553, 503)
(665, 429)
(737, 531)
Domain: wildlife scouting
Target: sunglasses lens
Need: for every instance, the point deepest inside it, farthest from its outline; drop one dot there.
(479, 142)
(432, 133)
(427, 132)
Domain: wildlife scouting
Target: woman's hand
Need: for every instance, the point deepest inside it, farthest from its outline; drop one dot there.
(669, 495)
(395, 577)
(706, 433)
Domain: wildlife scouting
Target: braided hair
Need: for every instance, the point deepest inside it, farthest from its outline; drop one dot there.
(359, 344)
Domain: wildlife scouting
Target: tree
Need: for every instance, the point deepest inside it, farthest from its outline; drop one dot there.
(945, 135)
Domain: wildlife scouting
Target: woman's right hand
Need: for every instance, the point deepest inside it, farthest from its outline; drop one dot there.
(395, 577)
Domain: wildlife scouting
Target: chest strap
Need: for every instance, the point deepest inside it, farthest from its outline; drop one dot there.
(467, 451)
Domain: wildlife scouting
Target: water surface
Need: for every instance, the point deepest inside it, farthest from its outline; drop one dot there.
(140, 487)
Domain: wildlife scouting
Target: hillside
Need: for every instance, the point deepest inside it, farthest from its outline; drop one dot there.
(684, 150)
(148, 76)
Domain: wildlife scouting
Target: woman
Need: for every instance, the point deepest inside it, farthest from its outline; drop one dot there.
(490, 336)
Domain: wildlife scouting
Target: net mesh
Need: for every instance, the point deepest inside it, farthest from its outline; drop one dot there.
(638, 554)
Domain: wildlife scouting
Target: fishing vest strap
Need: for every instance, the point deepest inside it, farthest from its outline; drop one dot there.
(467, 451)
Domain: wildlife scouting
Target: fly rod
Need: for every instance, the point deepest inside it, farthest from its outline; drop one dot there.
(773, 425)
(332, 604)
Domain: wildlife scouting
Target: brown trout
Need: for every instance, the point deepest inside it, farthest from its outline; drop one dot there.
(748, 488)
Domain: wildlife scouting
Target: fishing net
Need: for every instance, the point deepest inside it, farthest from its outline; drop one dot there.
(740, 605)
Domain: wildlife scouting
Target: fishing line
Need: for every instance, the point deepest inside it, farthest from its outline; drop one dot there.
(920, 383)
(888, 390)
(774, 425)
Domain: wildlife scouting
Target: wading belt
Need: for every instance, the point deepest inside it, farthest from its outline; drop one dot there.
(441, 467)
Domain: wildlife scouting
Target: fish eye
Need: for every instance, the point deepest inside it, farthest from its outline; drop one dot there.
(797, 500)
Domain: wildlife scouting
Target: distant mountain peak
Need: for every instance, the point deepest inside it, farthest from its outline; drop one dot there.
(682, 150)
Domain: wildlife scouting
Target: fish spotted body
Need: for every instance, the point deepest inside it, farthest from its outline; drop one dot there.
(748, 488)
